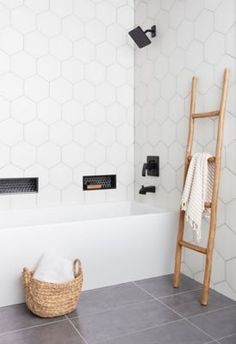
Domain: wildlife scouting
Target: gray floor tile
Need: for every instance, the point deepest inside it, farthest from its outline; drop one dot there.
(217, 324)
(228, 340)
(123, 320)
(18, 317)
(187, 304)
(102, 299)
(163, 285)
(57, 333)
(179, 332)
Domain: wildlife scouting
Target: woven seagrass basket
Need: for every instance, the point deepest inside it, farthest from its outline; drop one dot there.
(49, 300)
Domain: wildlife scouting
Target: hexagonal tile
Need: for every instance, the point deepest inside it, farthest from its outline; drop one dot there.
(184, 83)
(105, 94)
(95, 113)
(49, 196)
(4, 16)
(82, 170)
(147, 113)
(125, 55)
(115, 30)
(182, 131)
(60, 176)
(116, 154)
(105, 134)
(49, 111)
(84, 50)
(193, 8)
(168, 87)
(5, 109)
(125, 173)
(61, 8)
(23, 155)
(168, 132)
(147, 71)
(11, 41)
(72, 194)
(230, 42)
(225, 16)
(23, 19)
(49, 67)
(176, 108)
(95, 73)
(153, 133)
(176, 14)
(116, 75)
(49, 154)
(49, 24)
(95, 154)
(37, 6)
(218, 268)
(36, 44)
(230, 271)
(177, 60)
(106, 12)
(72, 112)
(72, 70)
(116, 114)
(4, 63)
(230, 215)
(176, 155)
(125, 134)
(205, 72)
(140, 134)
(72, 28)
(23, 109)
(84, 92)
(36, 132)
(60, 133)
(5, 155)
(23, 64)
(85, 10)
(95, 31)
(225, 242)
(168, 177)
(11, 86)
(36, 88)
(214, 48)
(84, 133)
(125, 95)
(230, 157)
(226, 191)
(204, 25)
(168, 43)
(39, 171)
(194, 55)
(106, 53)
(72, 154)
(61, 47)
(61, 90)
(185, 34)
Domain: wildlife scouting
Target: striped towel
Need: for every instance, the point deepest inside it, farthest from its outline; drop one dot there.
(198, 190)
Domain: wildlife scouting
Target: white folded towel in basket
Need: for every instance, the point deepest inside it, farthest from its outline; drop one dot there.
(197, 190)
(53, 268)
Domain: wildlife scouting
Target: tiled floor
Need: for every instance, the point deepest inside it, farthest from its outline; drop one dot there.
(143, 312)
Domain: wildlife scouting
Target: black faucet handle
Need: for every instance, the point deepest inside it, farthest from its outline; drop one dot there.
(145, 165)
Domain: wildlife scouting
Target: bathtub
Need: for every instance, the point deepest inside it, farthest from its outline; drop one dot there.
(116, 242)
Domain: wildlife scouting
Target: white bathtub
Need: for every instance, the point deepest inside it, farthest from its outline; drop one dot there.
(116, 242)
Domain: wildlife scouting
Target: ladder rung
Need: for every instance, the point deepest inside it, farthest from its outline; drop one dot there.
(207, 205)
(211, 159)
(193, 247)
(206, 114)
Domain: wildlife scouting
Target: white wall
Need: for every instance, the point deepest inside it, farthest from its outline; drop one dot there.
(66, 97)
(194, 38)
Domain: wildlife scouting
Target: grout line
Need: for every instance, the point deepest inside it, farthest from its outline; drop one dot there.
(182, 317)
(225, 337)
(31, 327)
(211, 311)
(75, 328)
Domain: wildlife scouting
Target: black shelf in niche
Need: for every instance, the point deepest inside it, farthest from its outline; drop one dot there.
(18, 185)
(103, 182)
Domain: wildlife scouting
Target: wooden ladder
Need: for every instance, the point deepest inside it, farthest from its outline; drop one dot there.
(208, 251)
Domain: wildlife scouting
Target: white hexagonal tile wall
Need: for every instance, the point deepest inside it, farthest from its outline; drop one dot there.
(23, 155)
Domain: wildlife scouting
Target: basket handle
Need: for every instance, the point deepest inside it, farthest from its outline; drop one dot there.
(77, 267)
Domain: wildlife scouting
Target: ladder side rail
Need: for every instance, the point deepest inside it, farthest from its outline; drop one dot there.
(215, 193)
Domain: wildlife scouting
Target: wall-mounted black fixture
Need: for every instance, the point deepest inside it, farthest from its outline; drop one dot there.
(18, 185)
(146, 189)
(103, 182)
(151, 166)
(140, 37)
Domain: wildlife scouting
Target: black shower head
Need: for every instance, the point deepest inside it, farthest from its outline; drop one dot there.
(139, 36)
